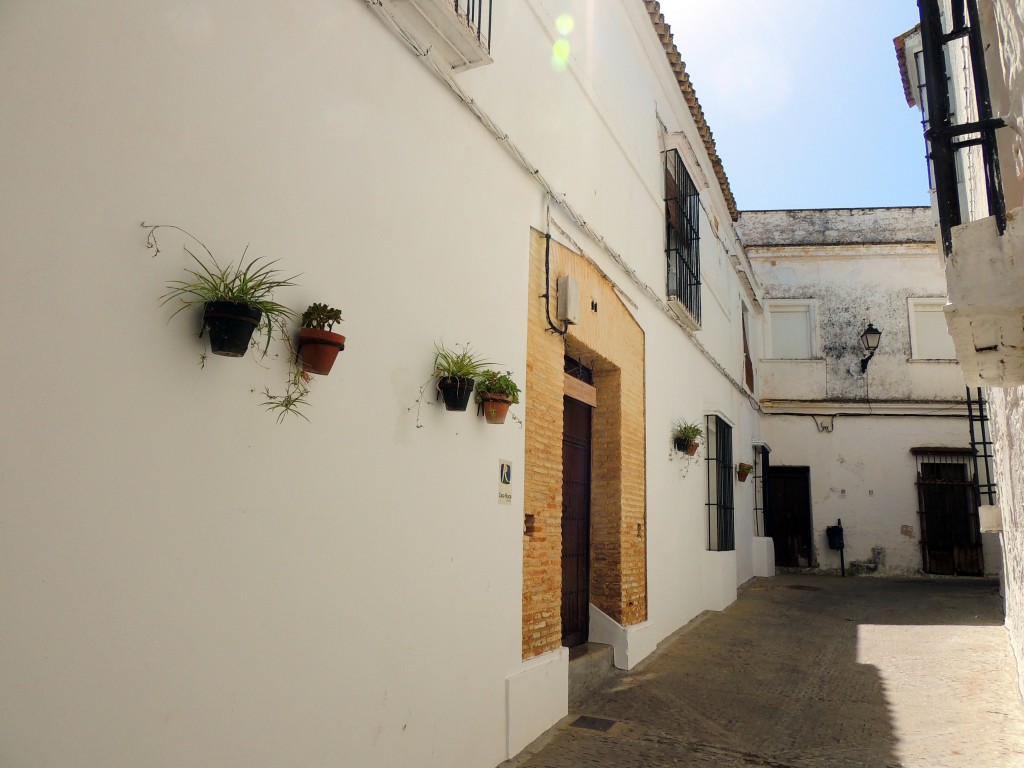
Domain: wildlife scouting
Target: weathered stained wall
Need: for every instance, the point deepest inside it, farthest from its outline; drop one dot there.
(855, 429)
(1007, 414)
(862, 472)
(836, 226)
(1008, 404)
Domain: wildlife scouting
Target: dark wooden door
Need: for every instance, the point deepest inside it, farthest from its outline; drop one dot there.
(788, 515)
(575, 523)
(950, 530)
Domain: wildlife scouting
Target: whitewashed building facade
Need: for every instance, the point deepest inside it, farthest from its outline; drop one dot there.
(188, 582)
(877, 442)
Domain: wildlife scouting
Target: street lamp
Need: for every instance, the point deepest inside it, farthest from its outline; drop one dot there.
(869, 340)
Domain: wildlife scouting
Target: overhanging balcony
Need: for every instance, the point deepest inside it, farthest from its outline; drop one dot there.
(458, 31)
(985, 314)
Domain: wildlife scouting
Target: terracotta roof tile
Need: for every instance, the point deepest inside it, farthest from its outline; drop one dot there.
(664, 32)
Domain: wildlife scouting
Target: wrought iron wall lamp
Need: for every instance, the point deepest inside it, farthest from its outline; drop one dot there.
(869, 340)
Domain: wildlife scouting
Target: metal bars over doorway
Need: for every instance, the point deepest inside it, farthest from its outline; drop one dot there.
(948, 509)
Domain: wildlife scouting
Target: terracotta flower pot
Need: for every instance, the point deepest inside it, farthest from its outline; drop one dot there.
(319, 349)
(495, 408)
(231, 326)
(456, 391)
(741, 473)
(684, 445)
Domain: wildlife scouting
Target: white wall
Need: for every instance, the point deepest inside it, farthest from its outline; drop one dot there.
(191, 583)
(863, 473)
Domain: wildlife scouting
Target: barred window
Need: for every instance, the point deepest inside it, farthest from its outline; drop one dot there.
(682, 235)
(721, 516)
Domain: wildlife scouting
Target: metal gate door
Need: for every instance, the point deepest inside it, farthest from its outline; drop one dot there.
(950, 529)
(575, 523)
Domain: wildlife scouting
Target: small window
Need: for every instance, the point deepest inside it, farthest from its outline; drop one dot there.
(929, 337)
(721, 514)
(748, 362)
(792, 330)
(682, 235)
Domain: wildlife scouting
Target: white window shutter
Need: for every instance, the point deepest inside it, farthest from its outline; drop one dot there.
(791, 333)
(931, 337)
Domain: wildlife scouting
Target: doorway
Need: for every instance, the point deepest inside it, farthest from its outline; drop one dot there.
(788, 516)
(950, 529)
(576, 432)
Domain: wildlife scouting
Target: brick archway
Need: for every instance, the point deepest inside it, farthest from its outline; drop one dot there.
(610, 341)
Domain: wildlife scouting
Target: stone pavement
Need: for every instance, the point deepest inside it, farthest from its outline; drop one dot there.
(813, 672)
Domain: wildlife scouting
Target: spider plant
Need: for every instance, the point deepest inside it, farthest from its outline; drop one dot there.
(250, 283)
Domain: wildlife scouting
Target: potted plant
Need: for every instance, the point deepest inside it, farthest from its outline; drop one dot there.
(496, 391)
(742, 470)
(456, 372)
(686, 437)
(237, 298)
(318, 345)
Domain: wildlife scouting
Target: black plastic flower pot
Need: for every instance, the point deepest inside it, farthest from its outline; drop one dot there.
(455, 391)
(231, 327)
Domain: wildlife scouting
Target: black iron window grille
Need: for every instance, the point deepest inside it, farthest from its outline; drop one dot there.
(578, 370)
(981, 446)
(682, 234)
(721, 514)
(477, 15)
(950, 141)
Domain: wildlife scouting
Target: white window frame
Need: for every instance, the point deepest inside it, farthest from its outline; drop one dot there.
(810, 306)
(912, 306)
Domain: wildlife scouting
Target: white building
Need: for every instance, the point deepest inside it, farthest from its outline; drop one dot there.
(879, 441)
(188, 582)
(962, 67)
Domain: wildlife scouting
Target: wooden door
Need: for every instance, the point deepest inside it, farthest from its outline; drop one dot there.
(950, 530)
(788, 515)
(575, 523)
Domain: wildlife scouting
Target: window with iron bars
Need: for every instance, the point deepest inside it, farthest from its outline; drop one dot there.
(682, 234)
(953, 137)
(721, 513)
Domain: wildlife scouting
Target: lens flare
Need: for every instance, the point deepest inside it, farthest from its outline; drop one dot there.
(560, 54)
(565, 24)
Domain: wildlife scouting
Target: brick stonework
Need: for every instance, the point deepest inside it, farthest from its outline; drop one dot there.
(610, 341)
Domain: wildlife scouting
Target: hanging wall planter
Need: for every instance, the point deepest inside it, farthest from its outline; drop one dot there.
(230, 326)
(686, 437)
(456, 372)
(496, 392)
(455, 391)
(742, 470)
(318, 345)
(237, 298)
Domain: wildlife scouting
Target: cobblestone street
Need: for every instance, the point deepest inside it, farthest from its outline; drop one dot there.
(813, 672)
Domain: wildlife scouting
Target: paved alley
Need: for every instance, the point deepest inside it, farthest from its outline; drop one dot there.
(813, 672)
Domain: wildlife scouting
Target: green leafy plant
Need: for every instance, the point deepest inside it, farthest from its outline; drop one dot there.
(684, 430)
(251, 283)
(293, 399)
(496, 383)
(321, 317)
(459, 363)
(744, 469)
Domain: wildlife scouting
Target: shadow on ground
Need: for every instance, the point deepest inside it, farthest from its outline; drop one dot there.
(803, 672)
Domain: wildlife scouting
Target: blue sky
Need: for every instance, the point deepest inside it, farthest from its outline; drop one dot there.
(804, 99)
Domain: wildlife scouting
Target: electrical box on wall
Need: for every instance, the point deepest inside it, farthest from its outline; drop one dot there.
(568, 300)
